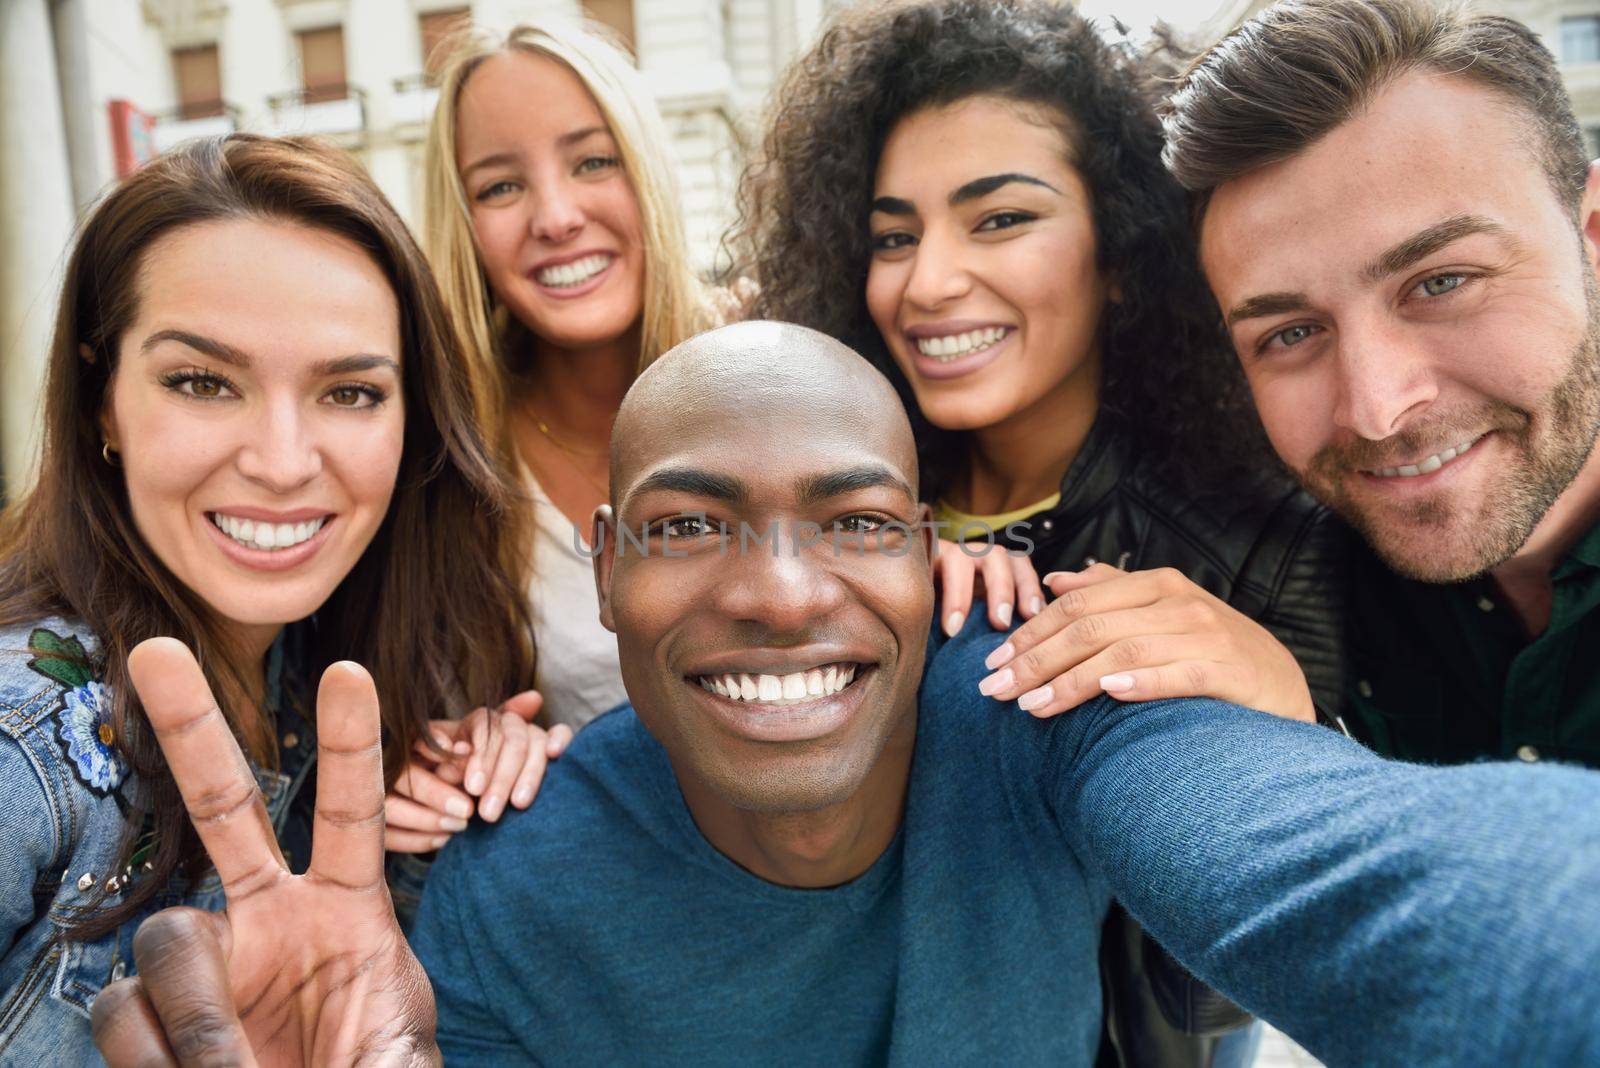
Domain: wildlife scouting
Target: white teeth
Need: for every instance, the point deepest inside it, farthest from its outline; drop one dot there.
(951, 346)
(1426, 466)
(575, 273)
(787, 689)
(268, 536)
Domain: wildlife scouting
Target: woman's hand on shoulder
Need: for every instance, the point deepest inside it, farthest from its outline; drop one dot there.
(482, 762)
(1142, 636)
(1010, 585)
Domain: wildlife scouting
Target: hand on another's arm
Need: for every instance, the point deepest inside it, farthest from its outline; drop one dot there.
(1010, 585)
(477, 764)
(1140, 636)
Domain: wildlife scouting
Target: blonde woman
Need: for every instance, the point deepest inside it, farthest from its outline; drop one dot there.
(551, 221)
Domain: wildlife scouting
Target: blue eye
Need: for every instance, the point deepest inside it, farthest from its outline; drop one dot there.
(597, 163)
(1290, 336)
(1441, 284)
(495, 189)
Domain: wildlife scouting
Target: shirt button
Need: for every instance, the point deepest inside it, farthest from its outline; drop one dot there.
(1364, 688)
(118, 970)
(291, 740)
(1527, 754)
(1484, 604)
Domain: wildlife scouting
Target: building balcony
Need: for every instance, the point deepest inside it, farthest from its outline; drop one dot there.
(338, 112)
(411, 107)
(193, 120)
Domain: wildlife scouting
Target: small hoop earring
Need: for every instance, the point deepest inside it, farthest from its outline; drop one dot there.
(108, 455)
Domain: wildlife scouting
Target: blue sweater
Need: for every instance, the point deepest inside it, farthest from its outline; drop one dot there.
(1379, 912)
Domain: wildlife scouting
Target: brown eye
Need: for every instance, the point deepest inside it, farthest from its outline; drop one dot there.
(346, 396)
(205, 387)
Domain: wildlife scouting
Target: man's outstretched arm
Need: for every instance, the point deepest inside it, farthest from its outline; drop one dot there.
(1379, 912)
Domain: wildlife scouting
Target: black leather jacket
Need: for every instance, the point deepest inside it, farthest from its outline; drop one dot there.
(1274, 557)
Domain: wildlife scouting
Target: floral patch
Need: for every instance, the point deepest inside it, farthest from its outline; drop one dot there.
(86, 732)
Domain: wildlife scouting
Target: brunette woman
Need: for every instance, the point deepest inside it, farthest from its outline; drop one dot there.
(971, 193)
(259, 439)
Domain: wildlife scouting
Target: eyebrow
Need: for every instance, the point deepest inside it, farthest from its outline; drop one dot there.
(982, 187)
(817, 488)
(494, 159)
(695, 482)
(1268, 304)
(973, 190)
(218, 350)
(1424, 243)
(1398, 257)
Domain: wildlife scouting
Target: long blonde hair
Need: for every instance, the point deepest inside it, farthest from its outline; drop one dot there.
(675, 301)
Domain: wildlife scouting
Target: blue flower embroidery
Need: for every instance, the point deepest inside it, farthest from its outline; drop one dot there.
(90, 739)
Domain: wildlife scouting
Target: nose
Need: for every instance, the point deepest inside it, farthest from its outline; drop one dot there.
(778, 580)
(557, 215)
(938, 274)
(280, 452)
(1385, 379)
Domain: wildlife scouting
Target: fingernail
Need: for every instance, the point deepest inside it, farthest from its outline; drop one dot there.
(1004, 612)
(521, 798)
(1053, 575)
(1035, 698)
(463, 748)
(1000, 656)
(1116, 683)
(459, 808)
(952, 623)
(451, 824)
(442, 742)
(476, 782)
(438, 843)
(492, 807)
(1035, 606)
(997, 683)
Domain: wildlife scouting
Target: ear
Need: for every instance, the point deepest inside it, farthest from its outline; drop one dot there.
(602, 537)
(1589, 217)
(928, 532)
(108, 420)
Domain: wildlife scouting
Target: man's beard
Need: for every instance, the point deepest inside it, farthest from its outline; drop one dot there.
(1548, 447)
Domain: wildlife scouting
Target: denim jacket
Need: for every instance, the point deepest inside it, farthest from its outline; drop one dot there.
(66, 793)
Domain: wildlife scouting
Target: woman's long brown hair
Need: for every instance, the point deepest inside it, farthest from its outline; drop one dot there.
(435, 608)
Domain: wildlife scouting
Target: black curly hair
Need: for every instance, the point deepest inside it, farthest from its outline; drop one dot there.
(1170, 376)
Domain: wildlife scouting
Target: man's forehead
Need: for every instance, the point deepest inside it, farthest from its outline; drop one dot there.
(769, 472)
(1428, 148)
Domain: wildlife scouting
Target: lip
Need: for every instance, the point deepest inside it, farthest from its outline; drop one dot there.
(929, 367)
(779, 661)
(572, 292)
(271, 559)
(267, 515)
(803, 722)
(1416, 484)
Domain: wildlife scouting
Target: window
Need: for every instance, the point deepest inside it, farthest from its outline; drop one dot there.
(199, 79)
(435, 27)
(1580, 39)
(322, 64)
(615, 15)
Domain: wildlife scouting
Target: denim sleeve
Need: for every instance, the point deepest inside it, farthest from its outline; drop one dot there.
(30, 838)
(1379, 912)
(469, 1033)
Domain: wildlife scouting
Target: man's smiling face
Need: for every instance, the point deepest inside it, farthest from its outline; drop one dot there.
(1416, 312)
(775, 672)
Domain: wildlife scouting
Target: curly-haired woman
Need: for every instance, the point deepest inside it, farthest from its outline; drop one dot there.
(971, 193)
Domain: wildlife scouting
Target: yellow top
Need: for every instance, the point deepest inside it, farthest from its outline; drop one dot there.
(954, 520)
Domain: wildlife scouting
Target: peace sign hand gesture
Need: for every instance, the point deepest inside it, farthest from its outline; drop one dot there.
(301, 969)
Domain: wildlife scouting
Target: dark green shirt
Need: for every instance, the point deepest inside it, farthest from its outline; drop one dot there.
(1444, 672)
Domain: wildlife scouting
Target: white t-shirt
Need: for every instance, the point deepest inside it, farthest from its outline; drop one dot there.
(578, 671)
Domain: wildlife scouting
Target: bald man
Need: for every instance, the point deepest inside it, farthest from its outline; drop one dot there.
(808, 842)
